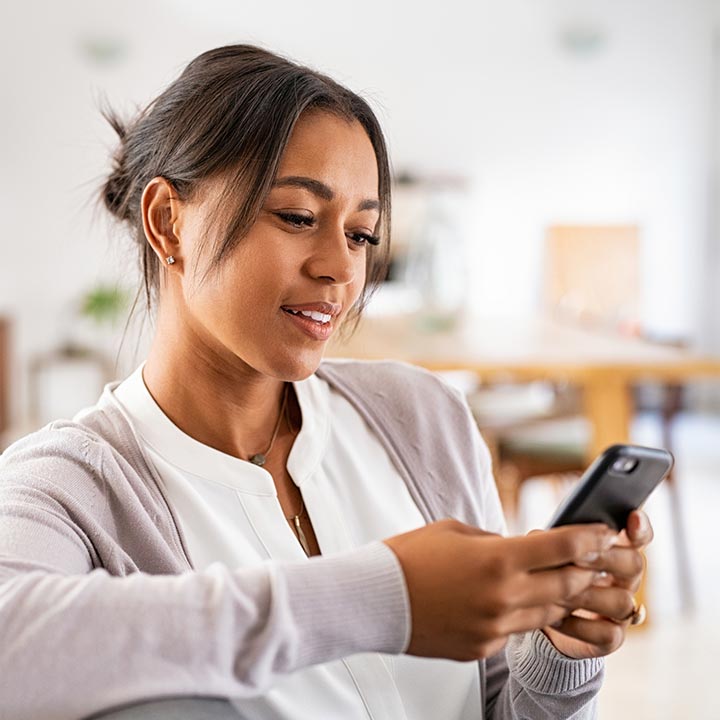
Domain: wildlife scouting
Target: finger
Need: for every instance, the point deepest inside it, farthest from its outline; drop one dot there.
(612, 603)
(560, 546)
(605, 636)
(639, 531)
(623, 563)
(524, 619)
(553, 586)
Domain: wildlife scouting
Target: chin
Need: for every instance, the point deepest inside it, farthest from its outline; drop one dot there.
(296, 367)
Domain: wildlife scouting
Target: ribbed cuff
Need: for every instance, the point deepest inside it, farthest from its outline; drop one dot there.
(348, 603)
(539, 667)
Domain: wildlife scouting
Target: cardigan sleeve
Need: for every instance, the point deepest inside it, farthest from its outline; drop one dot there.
(77, 639)
(541, 684)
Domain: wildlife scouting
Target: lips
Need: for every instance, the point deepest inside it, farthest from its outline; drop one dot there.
(325, 308)
(312, 314)
(314, 319)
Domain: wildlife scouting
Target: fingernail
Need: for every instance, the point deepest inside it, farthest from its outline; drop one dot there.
(590, 557)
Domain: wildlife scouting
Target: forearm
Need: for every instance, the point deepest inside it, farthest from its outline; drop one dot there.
(75, 644)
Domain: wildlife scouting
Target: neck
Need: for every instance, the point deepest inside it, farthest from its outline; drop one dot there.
(220, 402)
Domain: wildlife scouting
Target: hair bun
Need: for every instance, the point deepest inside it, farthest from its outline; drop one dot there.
(114, 194)
(116, 188)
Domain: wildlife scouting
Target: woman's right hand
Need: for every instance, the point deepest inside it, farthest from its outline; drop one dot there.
(469, 589)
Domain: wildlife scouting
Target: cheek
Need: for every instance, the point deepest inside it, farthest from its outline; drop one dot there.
(218, 301)
(359, 283)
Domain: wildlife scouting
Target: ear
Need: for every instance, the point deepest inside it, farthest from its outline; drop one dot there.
(161, 210)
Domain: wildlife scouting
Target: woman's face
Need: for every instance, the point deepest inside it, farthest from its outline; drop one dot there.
(285, 289)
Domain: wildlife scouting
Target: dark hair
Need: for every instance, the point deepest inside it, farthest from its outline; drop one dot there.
(232, 110)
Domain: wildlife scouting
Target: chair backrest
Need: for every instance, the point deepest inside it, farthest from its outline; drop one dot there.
(592, 275)
(4, 374)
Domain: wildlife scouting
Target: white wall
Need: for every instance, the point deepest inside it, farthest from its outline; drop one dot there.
(621, 136)
(486, 89)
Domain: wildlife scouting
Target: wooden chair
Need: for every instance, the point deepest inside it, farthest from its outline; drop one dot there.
(592, 278)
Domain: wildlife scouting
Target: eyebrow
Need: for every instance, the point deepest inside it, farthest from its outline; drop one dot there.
(320, 189)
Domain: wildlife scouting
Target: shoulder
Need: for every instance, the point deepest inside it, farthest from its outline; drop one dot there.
(389, 379)
(403, 397)
(53, 479)
(90, 475)
(371, 369)
(62, 441)
(69, 458)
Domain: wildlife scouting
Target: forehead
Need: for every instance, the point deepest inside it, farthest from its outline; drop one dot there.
(333, 150)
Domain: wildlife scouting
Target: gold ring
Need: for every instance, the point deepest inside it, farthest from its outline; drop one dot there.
(638, 614)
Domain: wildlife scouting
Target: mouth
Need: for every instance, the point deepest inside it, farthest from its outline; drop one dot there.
(314, 321)
(314, 315)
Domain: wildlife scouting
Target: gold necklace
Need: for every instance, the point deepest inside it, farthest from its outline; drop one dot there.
(295, 520)
(260, 458)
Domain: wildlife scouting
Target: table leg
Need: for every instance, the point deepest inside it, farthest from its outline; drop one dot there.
(609, 407)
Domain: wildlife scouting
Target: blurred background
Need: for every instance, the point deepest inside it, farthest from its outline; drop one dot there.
(555, 252)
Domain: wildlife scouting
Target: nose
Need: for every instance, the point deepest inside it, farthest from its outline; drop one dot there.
(332, 258)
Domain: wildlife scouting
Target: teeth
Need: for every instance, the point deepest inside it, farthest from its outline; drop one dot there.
(317, 316)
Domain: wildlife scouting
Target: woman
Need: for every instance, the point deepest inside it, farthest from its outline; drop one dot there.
(239, 519)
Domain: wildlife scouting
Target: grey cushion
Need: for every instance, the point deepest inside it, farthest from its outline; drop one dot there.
(174, 709)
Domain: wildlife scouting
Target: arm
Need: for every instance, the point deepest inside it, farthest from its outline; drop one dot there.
(77, 640)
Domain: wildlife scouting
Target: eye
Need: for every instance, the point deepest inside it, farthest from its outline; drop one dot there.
(360, 238)
(296, 219)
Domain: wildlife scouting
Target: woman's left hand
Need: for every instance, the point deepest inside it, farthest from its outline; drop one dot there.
(601, 614)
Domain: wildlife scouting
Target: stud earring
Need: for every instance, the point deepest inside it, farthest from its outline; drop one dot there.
(170, 260)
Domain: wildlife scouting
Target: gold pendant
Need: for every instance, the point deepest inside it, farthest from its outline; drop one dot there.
(301, 535)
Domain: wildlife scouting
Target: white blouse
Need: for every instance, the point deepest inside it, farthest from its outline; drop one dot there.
(229, 512)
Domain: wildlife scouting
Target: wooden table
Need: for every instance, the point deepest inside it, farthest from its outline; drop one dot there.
(604, 366)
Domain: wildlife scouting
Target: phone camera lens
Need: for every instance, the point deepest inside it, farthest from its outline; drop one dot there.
(625, 465)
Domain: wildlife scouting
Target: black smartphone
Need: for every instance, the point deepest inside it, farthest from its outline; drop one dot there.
(618, 482)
